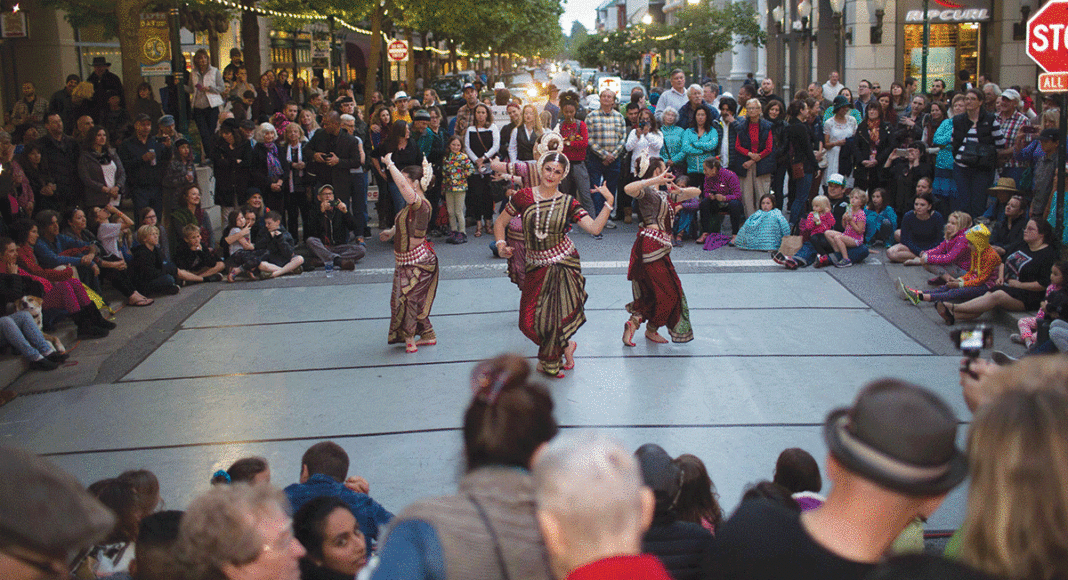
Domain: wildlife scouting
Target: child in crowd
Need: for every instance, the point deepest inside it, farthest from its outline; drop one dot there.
(1028, 335)
(950, 259)
(1055, 310)
(196, 263)
(147, 269)
(281, 258)
(817, 223)
(243, 258)
(764, 229)
(456, 169)
(880, 220)
(981, 276)
(853, 223)
(697, 500)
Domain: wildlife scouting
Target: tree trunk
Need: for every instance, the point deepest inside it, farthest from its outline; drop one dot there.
(411, 64)
(129, 15)
(369, 85)
(213, 45)
(250, 42)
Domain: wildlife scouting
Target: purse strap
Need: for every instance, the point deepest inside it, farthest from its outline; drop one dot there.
(493, 536)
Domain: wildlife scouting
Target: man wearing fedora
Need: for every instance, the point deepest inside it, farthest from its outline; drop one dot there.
(103, 81)
(893, 457)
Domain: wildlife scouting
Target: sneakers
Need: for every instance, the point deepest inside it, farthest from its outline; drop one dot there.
(913, 296)
(213, 278)
(610, 225)
(297, 271)
(823, 261)
(778, 258)
(343, 264)
(57, 357)
(791, 264)
(844, 263)
(597, 236)
(171, 290)
(901, 290)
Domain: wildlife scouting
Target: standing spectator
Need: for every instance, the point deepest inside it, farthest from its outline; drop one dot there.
(230, 165)
(60, 151)
(146, 104)
(594, 539)
(1011, 120)
(699, 141)
(206, 86)
(268, 167)
(1045, 168)
(838, 133)
(675, 97)
(482, 141)
(142, 157)
(103, 81)
(766, 92)
(576, 141)
(937, 135)
(432, 147)
(300, 92)
(101, 170)
(38, 182)
(552, 106)
(797, 144)
(324, 472)
(874, 144)
(333, 153)
(977, 137)
(695, 101)
(815, 91)
(62, 100)
(329, 228)
(115, 119)
(991, 93)
(241, 85)
(236, 62)
(349, 124)
(296, 180)
(30, 109)
(912, 432)
(238, 532)
(755, 146)
(66, 518)
(267, 102)
(607, 131)
(864, 98)
(82, 105)
(832, 87)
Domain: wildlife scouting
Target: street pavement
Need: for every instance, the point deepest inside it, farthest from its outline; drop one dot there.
(268, 368)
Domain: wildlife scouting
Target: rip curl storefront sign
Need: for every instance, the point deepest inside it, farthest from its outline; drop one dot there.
(946, 11)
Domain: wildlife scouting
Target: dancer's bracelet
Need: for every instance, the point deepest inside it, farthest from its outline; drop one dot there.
(499, 242)
(608, 207)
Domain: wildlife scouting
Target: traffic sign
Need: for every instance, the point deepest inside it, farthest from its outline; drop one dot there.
(397, 51)
(1047, 36)
(1053, 82)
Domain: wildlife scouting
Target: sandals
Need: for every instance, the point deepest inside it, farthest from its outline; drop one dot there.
(569, 355)
(629, 328)
(145, 302)
(701, 239)
(946, 313)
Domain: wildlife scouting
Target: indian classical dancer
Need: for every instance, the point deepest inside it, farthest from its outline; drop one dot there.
(554, 291)
(526, 174)
(658, 297)
(415, 279)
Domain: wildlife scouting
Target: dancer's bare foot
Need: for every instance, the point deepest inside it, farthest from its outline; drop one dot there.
(541, 369)
(410, 347)
(654, 336)
(629, 328)
(569, 355)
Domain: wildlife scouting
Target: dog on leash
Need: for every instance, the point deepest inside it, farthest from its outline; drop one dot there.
(33, 305)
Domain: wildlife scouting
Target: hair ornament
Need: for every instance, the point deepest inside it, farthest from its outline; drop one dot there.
(487, 383)
(428, 174)
(221, 474)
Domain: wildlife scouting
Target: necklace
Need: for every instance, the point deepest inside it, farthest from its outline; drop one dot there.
(542, 233)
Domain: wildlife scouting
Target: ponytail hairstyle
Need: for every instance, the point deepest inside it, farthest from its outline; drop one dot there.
(509, 417)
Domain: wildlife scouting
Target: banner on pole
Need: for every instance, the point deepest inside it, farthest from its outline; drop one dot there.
(155, 46)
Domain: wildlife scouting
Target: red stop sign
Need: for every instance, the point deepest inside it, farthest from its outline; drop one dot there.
(1047, 36)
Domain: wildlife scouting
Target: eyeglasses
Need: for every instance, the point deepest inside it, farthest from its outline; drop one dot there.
(47, 569)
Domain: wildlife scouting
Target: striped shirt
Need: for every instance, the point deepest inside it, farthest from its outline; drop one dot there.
(606, 132)
(1010, 127)
(973, 137)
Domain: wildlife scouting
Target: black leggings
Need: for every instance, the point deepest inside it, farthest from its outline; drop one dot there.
(479, 198)
(120, 279)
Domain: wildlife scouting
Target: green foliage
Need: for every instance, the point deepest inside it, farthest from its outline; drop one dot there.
(103, 13)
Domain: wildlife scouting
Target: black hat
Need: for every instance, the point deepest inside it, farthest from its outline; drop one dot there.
(900, 436)
(100, 61)
(142, 117)
(247, 124)
(1050, 135)
(841, 102)
(230, 123)
(180, 142)
(660, 474)
(421, 115)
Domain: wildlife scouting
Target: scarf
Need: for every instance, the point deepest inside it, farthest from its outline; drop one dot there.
(274, 166)
(873, 131)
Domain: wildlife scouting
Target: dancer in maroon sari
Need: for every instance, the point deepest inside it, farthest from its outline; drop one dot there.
(554, 291)
(658, 297)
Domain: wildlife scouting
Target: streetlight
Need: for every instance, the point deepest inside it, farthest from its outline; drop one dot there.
(647, 19)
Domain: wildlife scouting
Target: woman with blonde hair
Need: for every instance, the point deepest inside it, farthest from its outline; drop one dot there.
(526, 135)
(1016, 526)
(82, 104)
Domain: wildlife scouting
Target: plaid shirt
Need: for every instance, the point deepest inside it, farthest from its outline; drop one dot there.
(1009, 128)
(607, 132)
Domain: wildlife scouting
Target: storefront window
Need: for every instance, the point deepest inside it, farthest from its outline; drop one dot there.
(952, 48)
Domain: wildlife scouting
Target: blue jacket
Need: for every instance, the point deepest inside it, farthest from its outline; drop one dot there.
(697, 149)
(369, 513)
(48, 254)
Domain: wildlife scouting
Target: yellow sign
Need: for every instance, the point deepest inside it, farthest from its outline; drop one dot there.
(155, 46)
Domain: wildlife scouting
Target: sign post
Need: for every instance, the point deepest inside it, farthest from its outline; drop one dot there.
(1047, 45)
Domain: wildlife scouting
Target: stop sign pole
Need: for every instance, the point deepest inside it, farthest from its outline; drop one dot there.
(1047, 45)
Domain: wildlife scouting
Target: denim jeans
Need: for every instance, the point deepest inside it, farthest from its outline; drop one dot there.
(971, 190)
(148, 197)
(21, 332)
(597, 171)
(807, 254)
(799, 197)
(579, 179)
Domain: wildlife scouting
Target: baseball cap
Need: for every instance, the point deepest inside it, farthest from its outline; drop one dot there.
(836, 178)
(1050, 135)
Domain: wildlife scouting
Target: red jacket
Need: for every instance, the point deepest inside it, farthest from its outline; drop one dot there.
(643, 567)
(575, 140)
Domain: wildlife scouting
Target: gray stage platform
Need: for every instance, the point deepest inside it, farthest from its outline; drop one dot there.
(269, 371)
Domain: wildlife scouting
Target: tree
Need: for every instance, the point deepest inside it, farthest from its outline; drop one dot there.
(712, 30)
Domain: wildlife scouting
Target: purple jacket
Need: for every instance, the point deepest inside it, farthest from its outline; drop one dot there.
(952, 251)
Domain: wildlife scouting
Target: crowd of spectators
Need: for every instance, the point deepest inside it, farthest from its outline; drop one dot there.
(534, 503)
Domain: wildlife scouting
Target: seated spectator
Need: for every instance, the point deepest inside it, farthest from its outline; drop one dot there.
(698, 501)
(148, 217)
(65, 519)
(798, 473)
(911, 432)
(880, 220)
(1055, 338)
(720, 191)
(1017, 456)
(279, 246)
(67, 294)
(323, 471)
(770, 491)
(681, 546)
(114, 553)
(238, 532)
(189, 212)
(329, 230)
(154, 551)
(196, 263)
(764, 229)
(1029, 325)
(921, 230)
(507, 421)
(19, 331)
(951, 258)
(54, 249)
(331, 536)
(150, 274)
(1022, 279)
(250, 470)
(109, 258)
(981, 276)
(242, 257)
(819, 221)
(146, 486)
(1007, 234)
(594, 535)
(853, 222)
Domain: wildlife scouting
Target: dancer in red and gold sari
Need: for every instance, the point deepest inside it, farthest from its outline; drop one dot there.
(554, 291)
(658, 297)
(415, 279)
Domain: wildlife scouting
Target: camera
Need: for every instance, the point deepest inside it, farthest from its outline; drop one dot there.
(334, 202)
(971, 341)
